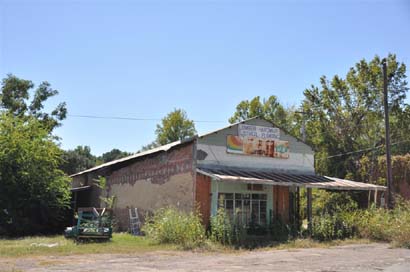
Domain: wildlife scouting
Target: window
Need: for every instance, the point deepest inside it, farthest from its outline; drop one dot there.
(247, 209)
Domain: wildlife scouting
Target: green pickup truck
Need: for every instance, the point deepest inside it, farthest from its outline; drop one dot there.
(92, 223)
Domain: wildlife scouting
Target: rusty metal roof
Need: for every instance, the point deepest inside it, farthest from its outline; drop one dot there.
(163, 148)
(285, 179)
(169, 146)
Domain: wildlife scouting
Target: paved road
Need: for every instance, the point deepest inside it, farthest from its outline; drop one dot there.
(362, 258)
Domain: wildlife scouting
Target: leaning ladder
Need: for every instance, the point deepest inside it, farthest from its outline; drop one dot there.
(135, 223)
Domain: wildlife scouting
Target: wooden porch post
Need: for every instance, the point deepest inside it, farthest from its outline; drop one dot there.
(74, 207)
(369, 198)
(375, 198)
(309, 209)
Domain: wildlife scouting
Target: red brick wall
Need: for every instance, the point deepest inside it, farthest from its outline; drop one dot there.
(157, 168)
(153, 182)
(203, 197)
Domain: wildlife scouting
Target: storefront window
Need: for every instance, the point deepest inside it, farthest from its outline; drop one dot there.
(247, 209)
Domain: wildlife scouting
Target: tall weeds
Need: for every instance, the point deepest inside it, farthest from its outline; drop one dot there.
(386, 225)
(171, 226)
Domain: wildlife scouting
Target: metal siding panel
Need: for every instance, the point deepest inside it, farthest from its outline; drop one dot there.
(219, 138)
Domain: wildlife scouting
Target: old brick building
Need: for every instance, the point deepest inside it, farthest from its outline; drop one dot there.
(253, 168)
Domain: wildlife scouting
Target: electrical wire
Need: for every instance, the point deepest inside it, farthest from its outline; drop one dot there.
(208, 121)
(132, 118)
(363, 150)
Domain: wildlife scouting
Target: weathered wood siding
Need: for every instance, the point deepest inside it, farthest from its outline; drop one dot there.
(281, 203)
(203, 197)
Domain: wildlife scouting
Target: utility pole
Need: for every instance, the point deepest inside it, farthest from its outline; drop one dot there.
(303, 128)
(308, 190)
(387, 125)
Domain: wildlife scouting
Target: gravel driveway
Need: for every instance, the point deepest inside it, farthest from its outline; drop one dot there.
(367, 257)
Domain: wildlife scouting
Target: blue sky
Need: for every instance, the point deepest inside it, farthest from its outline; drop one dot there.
(144, 58)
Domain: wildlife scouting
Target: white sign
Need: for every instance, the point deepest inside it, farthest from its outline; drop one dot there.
(245, 130)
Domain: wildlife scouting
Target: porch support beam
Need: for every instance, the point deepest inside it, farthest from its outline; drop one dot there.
(309, 209)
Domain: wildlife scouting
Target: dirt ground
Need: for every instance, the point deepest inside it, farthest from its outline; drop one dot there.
(362, 257)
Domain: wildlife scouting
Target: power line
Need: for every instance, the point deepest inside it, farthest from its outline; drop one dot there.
(209, 121)
(132, 118)
(363, 150)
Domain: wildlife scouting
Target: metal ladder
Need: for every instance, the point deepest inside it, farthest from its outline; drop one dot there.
(135, 223)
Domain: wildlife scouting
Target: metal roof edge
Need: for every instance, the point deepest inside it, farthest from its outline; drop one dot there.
(162, 148)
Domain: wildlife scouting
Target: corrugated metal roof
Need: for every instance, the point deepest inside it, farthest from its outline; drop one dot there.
(285, 179)
(154, 150)
(136, 155)
(169, 146)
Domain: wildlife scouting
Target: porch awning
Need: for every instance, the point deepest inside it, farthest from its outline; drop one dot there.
(78, 189)
(286, 179)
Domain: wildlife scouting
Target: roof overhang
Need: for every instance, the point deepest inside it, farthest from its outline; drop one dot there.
(82, 188)
(286, 179)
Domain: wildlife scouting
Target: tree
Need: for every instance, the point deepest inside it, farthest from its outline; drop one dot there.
(34, 193)
(269, 109)
(173, 127)
(112, 155)
(15, 95)
(77, 160)
(346, 114)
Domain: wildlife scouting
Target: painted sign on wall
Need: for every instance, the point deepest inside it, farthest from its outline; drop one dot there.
(249, 145)
(245, 130)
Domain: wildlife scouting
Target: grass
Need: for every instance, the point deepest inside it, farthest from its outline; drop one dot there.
(286, 245)
(310, 243)
(37, 246)
(122, 243)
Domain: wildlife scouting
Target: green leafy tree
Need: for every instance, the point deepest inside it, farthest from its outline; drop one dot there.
(112, 155)
(77, 160)
(34, 193)
(269, 109)
(173, 127)
(15, 99)
(346, 114)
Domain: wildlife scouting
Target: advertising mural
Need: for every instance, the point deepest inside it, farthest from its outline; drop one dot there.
(258, 141)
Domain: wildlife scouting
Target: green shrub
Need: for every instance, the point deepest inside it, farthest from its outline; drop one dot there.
(280, 231)
(337, 226)
(323, 227)
(222, 229)
(386, 225)
(171, 226)
(374, 223)
(334, 216)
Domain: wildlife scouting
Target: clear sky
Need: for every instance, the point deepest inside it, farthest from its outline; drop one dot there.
(144, 58)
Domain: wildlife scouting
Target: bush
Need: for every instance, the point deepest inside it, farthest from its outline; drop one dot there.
(222, 229)
(400, 222)
(374, 224)
(335, 215)
(171, 226)
(386, 225)
(280, 231)
(329, 227)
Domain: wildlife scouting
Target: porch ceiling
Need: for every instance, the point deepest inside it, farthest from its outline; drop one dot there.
(286, 179)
